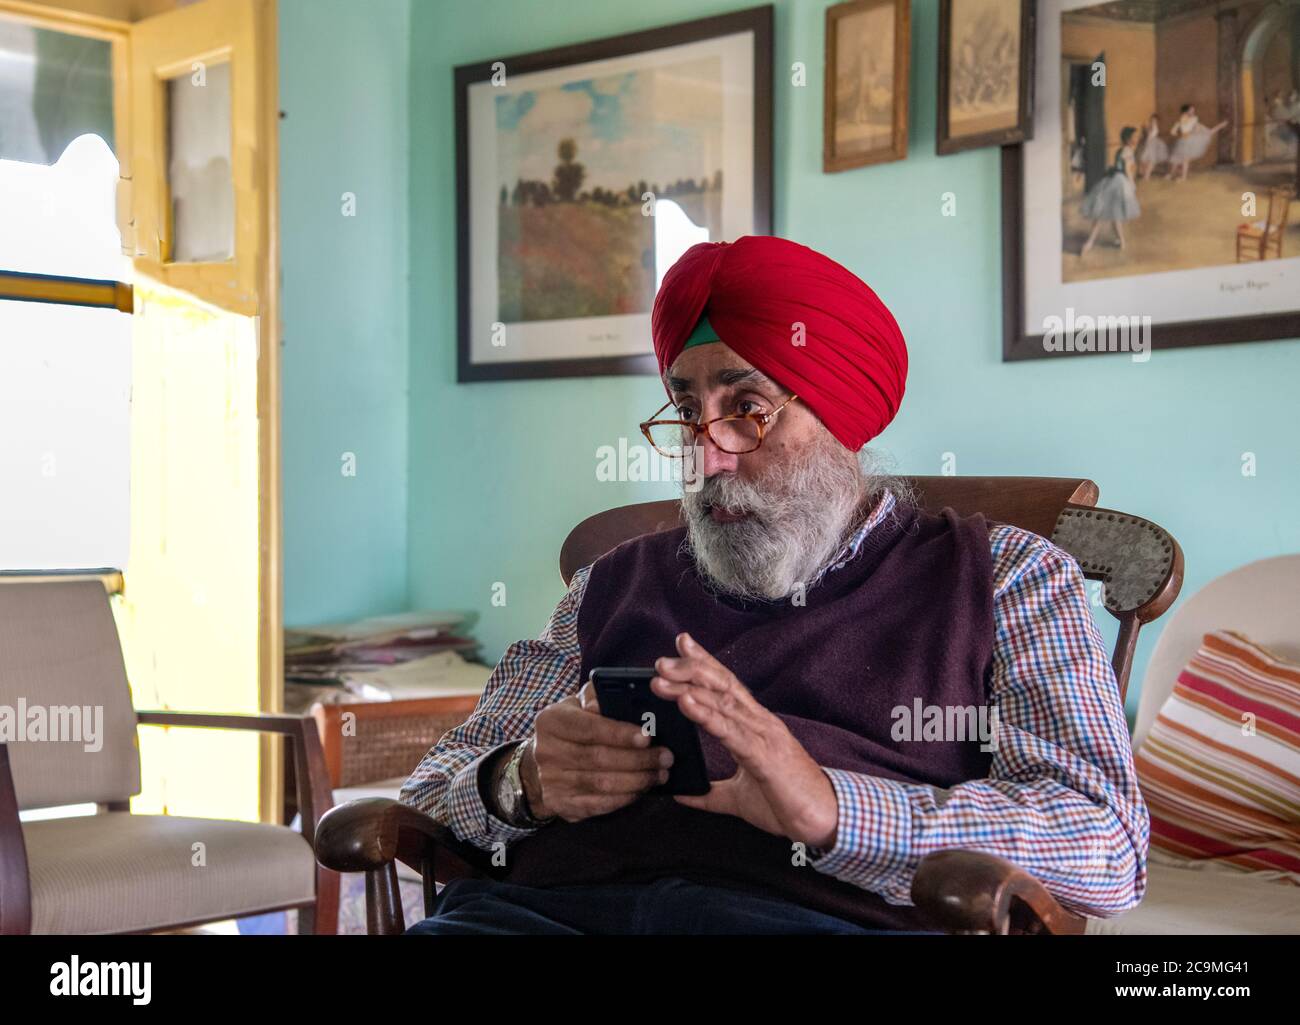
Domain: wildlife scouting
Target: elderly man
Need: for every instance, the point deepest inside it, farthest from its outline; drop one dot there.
(799, 616)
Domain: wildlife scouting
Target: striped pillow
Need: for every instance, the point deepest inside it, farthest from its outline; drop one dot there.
(1220, 769)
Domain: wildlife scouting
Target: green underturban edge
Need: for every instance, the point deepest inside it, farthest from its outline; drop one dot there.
(702, 334)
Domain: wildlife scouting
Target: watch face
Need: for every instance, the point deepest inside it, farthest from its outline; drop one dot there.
(506, 795)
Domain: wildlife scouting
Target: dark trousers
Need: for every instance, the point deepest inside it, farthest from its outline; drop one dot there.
(485, 907)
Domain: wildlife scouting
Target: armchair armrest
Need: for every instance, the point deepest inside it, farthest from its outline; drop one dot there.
(964, 891)
(372, 833)
(315, 797)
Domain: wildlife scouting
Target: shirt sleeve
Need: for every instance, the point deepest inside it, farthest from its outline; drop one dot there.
(530, 676)
(1061, 799)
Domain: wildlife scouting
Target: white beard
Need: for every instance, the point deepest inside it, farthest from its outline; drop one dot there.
(801, 513)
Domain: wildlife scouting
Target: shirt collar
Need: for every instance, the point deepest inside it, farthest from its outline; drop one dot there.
(883, 508)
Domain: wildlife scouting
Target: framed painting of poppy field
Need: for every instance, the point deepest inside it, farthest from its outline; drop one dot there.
(584, 172)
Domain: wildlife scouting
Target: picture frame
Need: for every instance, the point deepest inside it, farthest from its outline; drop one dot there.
(865, 99)
(992, 86)
(1086, 264)
(583, 169)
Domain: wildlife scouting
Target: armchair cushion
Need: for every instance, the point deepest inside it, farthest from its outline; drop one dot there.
(1220, 769)
(119, 872)
(1189, 898)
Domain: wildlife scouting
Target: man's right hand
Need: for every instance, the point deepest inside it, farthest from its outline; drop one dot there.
(583, 765)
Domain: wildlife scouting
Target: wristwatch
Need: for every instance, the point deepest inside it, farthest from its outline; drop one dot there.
(511, 799)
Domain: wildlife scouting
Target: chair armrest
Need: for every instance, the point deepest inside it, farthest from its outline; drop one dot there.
(372, 832)
(963, 891)
(15, 884)
(263, 722)
(315, 797)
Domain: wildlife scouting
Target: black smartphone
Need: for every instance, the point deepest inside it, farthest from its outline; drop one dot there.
(624, 694)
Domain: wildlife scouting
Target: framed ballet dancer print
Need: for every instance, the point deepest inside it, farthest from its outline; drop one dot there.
(986, 73)
(868, 50)
(1155, 205)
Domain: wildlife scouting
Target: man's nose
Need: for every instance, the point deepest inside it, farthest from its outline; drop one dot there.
(712, 460)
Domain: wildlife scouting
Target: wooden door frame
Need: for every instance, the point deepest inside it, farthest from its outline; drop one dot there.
(270, 474)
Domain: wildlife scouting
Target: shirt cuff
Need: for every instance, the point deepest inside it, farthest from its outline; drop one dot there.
(471, 819)
(873, 840)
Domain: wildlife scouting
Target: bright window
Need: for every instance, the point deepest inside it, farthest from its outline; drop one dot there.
(65, 371)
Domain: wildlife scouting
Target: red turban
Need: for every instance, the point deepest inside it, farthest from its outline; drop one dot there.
(851, 365)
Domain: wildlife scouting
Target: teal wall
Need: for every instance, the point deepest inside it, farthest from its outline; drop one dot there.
(344, 90)
(499, 472)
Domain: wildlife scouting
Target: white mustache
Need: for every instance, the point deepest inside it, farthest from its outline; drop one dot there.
(724, 501)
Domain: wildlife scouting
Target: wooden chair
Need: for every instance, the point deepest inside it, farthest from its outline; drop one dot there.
(1139, 563)
(1259, 240)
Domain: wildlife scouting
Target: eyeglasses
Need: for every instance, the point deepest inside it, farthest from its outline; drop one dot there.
(735, 434)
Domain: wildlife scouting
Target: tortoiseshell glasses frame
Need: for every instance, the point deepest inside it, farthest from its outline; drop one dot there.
(761, 420)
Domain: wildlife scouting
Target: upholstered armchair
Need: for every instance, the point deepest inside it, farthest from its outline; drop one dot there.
(116, 872)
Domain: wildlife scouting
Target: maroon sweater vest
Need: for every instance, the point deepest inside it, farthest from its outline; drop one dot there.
(910, 616)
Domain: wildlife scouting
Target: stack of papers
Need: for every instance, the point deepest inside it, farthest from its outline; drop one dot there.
(384, 658)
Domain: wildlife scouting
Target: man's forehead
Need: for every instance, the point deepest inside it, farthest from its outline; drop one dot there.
(719, 367)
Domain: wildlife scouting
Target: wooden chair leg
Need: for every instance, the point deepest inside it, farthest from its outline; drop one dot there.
(15, 881)
(326, 911)
(429, 883)
(383, 902)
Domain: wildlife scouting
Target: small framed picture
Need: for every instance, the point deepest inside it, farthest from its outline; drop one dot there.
(986, 73)
(868, 46)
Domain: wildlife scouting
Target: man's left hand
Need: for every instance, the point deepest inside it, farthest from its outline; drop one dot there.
(777, 786)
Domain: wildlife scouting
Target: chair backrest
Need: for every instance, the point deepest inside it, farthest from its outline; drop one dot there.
(66, 716)
(1260, 600)
(1139, 563)
(386, 739)
(1279, 205)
